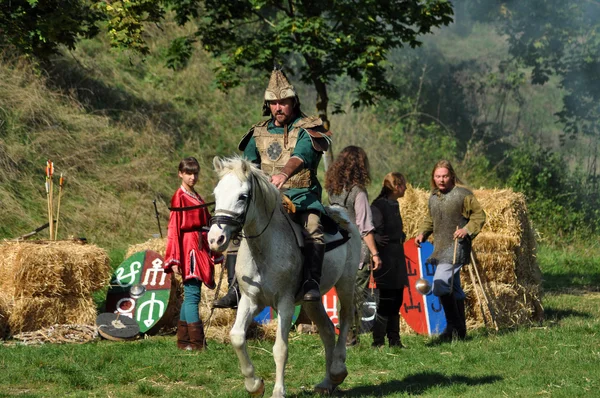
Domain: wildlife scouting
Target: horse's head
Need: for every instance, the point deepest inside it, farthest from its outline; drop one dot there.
(232, 198)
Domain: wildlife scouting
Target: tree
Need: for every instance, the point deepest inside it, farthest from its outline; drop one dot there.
(38, 28)
(556, 37)
(319, 40)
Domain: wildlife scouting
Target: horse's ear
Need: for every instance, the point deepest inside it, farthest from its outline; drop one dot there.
(217, 163)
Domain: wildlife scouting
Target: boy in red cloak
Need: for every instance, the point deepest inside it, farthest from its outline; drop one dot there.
(188, 254)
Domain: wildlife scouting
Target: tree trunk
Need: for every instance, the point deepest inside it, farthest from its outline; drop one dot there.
(322, 102)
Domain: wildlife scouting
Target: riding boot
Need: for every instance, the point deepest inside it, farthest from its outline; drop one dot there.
(183, 337)
(393, 331)
(379, 330)
(197, 339)
(451, 314)
(313, 263)
(461, 328)
(231, 299)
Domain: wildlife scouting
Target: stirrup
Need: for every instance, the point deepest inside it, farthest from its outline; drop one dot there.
(230, 300)
(311, 291)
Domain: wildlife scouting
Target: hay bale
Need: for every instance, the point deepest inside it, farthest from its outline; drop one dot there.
(158, 245)
(222, 318)
(505, 254)
(33, 313)
(52, 268)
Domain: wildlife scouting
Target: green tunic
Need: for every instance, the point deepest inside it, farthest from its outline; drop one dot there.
(303, 198)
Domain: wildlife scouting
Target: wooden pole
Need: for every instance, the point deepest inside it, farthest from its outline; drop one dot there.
(50, 172)
(60, 188)
(453, 264)
(474, 282)
(47, 185)
(487, 301)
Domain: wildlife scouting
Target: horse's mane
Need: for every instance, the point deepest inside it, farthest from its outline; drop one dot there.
(247, 171)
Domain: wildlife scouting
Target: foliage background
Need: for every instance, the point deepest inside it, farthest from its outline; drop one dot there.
(117, 120)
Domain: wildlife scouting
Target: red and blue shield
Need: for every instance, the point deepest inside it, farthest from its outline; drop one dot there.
(424, 314)
(268, 314)
(140, 289)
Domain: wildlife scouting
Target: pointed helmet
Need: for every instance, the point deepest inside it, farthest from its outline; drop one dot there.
(279, 87)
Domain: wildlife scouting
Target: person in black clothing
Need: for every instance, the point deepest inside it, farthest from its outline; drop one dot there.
(392, 277)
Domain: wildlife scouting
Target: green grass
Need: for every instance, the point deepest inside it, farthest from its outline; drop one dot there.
(558, 358)
(570, 268)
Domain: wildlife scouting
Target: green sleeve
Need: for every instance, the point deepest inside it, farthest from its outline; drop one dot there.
(473, 211)
(426, 226)
(251, 153)
(305, 151)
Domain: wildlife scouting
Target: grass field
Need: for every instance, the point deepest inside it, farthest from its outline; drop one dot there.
(559, 358)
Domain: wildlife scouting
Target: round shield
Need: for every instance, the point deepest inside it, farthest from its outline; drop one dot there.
(423, 313)
(140, 290)
(114, 327)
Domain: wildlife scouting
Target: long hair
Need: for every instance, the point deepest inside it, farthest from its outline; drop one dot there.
(189, 166)
(390, 181)
(349, 169)
(447, 165)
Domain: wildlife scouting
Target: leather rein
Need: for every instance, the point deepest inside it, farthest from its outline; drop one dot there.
(238, 220)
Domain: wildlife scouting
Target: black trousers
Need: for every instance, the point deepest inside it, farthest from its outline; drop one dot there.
(390, 301)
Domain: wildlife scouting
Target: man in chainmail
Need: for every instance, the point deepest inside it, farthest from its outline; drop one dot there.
(288, 147)
(455, 217)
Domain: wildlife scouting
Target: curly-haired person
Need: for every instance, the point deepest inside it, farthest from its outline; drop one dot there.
(345, 182)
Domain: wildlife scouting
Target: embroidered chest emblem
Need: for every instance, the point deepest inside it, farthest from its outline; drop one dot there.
(274, 151)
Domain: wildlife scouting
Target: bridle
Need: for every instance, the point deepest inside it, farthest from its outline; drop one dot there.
(238, 220)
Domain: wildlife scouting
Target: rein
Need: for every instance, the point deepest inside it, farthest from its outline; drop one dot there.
(238, 220)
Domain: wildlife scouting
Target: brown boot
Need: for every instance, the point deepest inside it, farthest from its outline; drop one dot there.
(183, 337)
(197, 339)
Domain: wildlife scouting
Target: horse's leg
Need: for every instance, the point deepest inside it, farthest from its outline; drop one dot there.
(285, 311)
(345, 291)
(318, 315)
(245, 312)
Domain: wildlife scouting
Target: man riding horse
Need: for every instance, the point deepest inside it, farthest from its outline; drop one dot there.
(288, 147)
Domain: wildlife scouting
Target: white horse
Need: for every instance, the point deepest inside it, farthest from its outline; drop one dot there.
(269, 271)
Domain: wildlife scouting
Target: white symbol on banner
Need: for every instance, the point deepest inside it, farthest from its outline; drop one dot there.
(369, 307)
(161, 307)
(134, 269)
(126, 312)
(331, 310)
(155, 270)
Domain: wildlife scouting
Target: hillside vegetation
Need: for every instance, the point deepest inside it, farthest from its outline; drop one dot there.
(117, 128)
(117, 125)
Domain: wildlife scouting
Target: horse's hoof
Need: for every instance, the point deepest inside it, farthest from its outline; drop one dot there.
(260, 391)
(339, 378)
(324, 390)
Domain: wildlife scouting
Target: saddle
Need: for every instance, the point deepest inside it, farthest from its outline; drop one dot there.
(335, 230)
